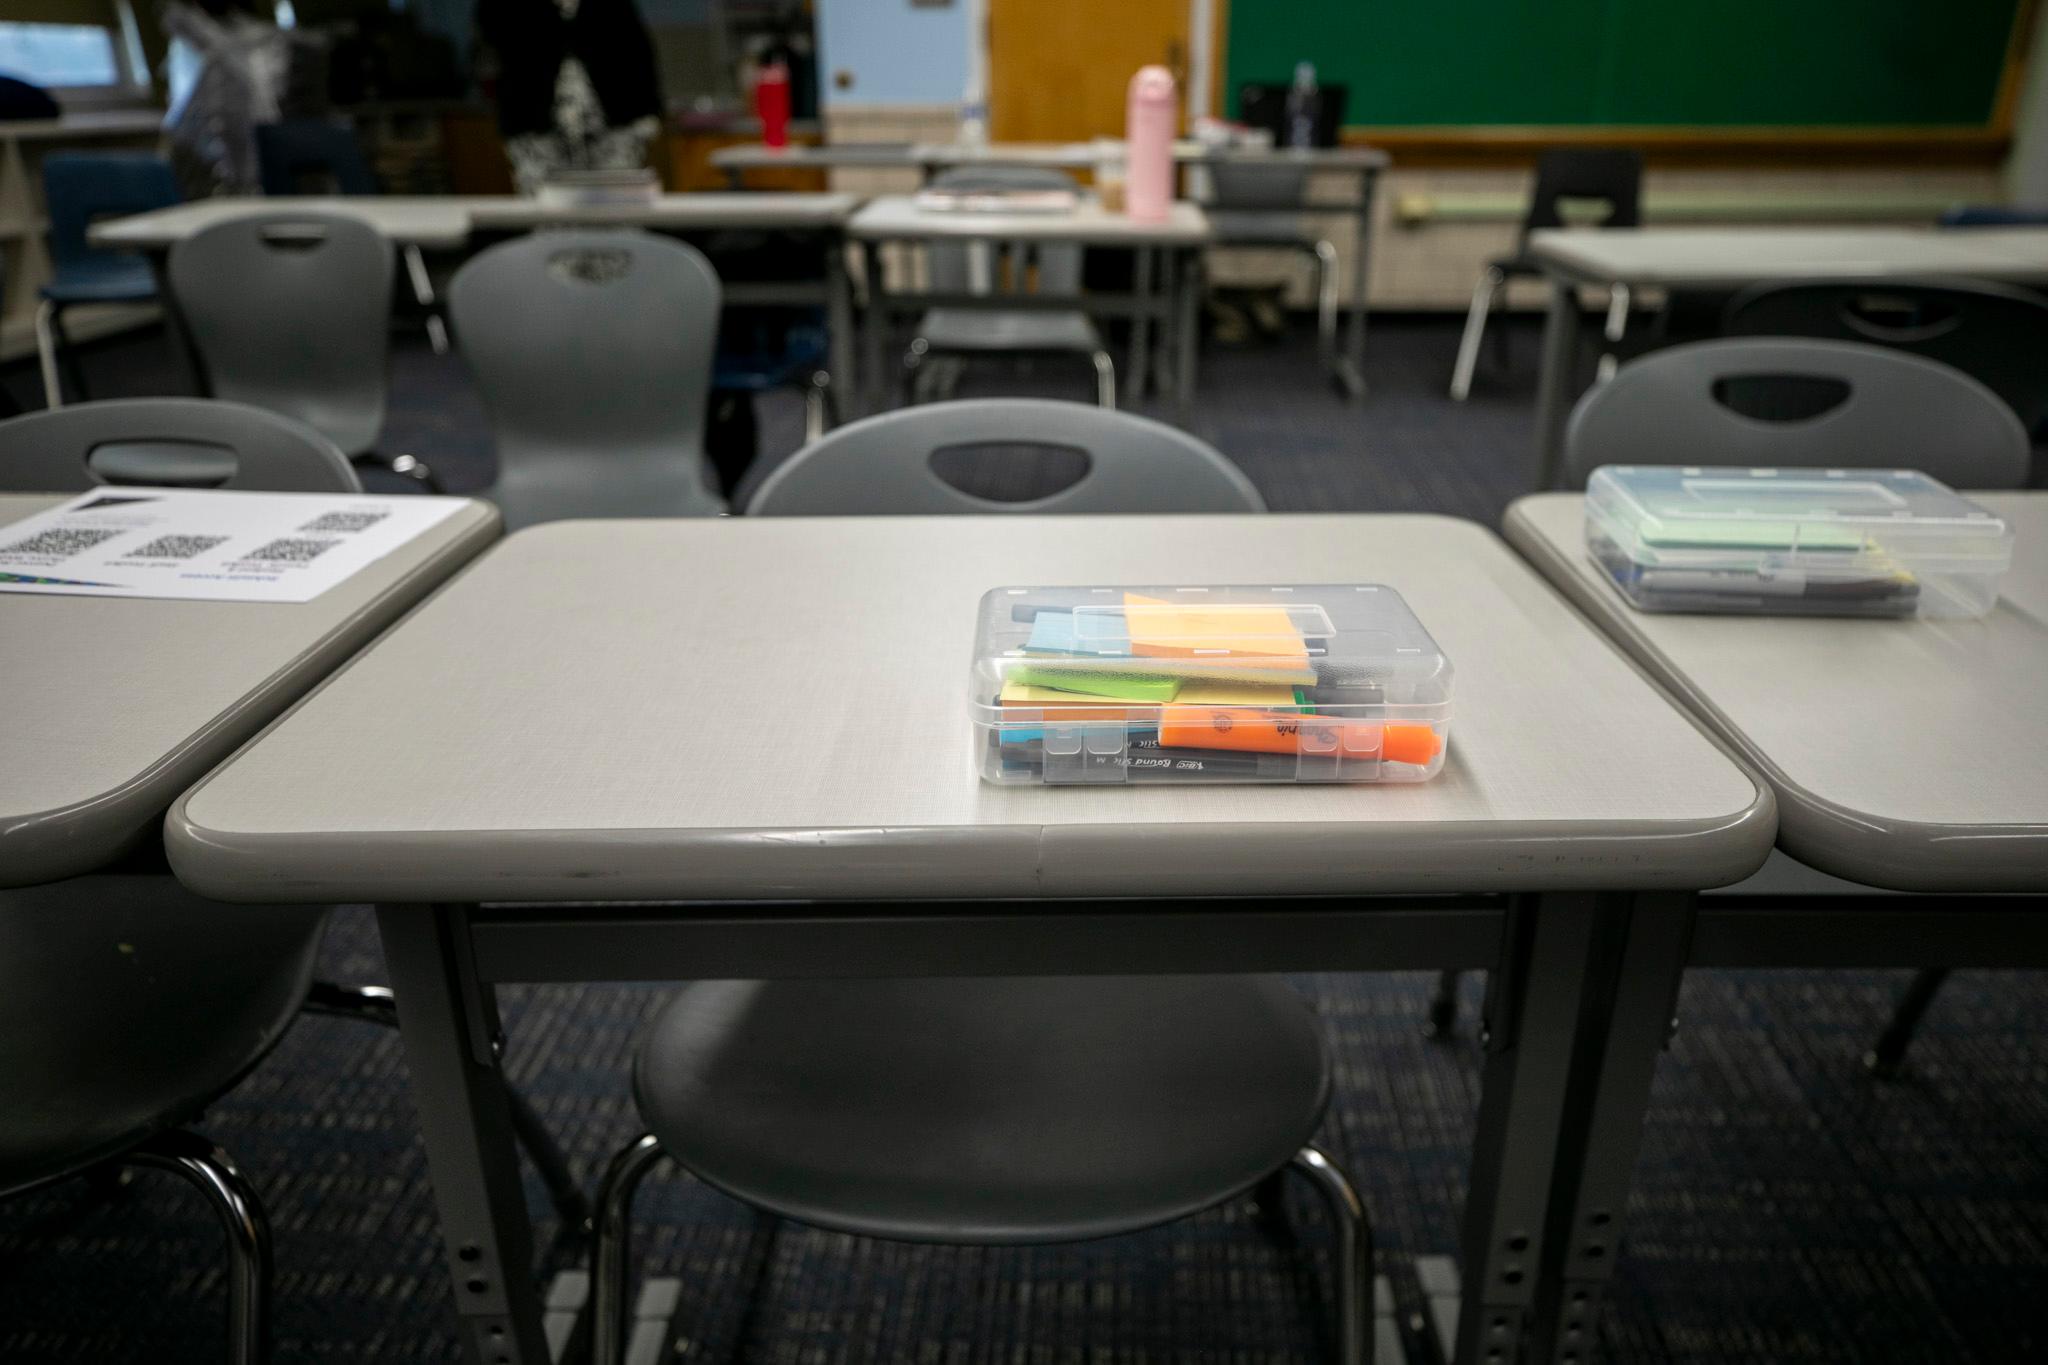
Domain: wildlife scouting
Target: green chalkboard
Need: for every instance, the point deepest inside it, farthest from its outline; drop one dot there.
(1724, 63)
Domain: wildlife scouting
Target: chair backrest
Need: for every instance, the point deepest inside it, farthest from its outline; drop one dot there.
(311, 156)
(168, 442)
(82, 187)
(594, 352)
(292, 312)
(1893, 411)
(1255, 183)
(951, 264)
(1993, 333)
(1612, 175)
(883, 465)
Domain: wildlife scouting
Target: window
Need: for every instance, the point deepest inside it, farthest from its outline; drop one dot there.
(60, 56)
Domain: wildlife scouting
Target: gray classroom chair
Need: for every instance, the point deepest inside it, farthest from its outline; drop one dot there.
(594, 352)
(882, 465)
(978, 267)
(989, 1111)
(1992, 332)
(291, 311)
(1609, 176)
(1892, 410)
(106, 1055)
(1260, 203)
(169, 443)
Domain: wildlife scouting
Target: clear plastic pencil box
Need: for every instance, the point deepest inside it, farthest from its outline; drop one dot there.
(1794, 542)
(1312, 682)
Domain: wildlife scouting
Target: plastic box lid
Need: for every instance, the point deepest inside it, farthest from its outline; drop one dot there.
(1302, 682)
(1855, 522)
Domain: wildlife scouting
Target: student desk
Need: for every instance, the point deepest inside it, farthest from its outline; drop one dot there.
(762, 722)
(1177, 242)
(428, 222)
(1362, 164)
(1734, 258)
(1905, 755)
(119, 704)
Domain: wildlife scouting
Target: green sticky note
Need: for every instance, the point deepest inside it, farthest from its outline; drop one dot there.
(1123, 686)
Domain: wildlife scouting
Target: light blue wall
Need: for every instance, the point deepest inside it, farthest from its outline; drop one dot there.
(898, 54)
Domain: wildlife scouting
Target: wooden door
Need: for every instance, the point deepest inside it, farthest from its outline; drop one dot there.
(1059, 69)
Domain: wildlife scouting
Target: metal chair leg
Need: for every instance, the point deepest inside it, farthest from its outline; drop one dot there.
(1105, 380)
(1443, 1006)
(1326, 301)
(1882, 1061)
(46, 353)
(1475, 331)
(1354, 1254)
(609, 1267)
(913, 369)
(377, 1005)
(241, 1213)
(817, 400)
(423, 294)
(1616, 329)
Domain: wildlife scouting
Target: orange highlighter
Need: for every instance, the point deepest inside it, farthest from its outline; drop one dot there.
(1204, 727)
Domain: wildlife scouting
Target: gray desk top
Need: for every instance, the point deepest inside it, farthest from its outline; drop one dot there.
(117, 705)
(777, 707)
(1905, 754)
(1737, 256)
(428, 221)
(896, 217)
(675, 211)
(1067, 155)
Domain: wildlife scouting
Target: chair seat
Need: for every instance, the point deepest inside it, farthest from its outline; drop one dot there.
(974, 329)
(1264, 227)
(984, 1111)
(126, 1005)
(118, 281)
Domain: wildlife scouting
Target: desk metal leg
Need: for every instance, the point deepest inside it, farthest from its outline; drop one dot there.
(1532, 1028)
(1556, 380)
(1142, 265)
(1188, 330)
(1610, 1100)
(876, 375)
(1350, 368)
(452, 1042)
(846, 375)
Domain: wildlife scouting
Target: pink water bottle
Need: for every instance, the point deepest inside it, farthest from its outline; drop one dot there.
(1148, 145)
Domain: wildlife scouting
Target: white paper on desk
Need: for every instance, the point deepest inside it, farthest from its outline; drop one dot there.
(217, 546)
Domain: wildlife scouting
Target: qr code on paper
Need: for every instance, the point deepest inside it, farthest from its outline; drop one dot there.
(344, 521)
(292, 550)
(59, 542)
(176, 547)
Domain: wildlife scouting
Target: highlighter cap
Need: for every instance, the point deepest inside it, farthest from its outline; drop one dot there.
(1123, 684)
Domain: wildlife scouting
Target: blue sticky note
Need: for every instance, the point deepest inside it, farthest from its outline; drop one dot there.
(1098, 633)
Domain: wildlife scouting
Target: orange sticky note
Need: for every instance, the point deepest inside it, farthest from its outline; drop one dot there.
(1267, 732)
(1183, 631)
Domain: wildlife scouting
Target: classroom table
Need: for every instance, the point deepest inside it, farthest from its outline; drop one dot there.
(120, 704)
(1906, 756)
(1735, 258)
(449, 222)
(1363, 164)
(762, 723)
(1170, 248)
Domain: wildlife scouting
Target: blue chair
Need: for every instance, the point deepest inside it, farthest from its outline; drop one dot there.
(80, 188)
(772, 348)
(313, 156)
